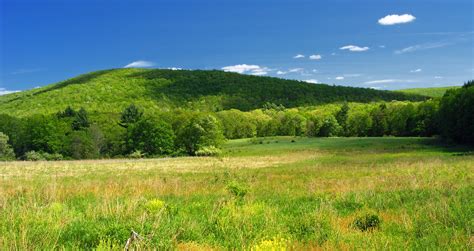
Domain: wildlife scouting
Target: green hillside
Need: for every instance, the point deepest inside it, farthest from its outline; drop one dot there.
(161, 90)
(435, 92)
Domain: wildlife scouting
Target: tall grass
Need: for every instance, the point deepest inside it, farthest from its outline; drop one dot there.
(306, 194)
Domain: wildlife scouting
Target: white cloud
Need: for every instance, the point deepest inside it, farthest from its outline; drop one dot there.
(4, 91)
(333, 54)
(354, 48)
(312, 81)
(396, 19)
(174, 68)
(383, 81)
(415, 71)
(259, 73)
(315, 57)
(419, 47)
(315, 70)
(247, 69)
(281, 72)
(340, 78)
(294, 70)
(382, 46)
(352, 75)
(438, 77)
(375, 87)
(299, 56)
(140, 64)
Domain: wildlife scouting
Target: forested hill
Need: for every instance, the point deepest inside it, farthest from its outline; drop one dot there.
(158, 89)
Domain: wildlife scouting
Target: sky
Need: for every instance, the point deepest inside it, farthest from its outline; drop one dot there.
(381, 44)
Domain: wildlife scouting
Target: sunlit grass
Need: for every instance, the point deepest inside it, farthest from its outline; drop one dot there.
(304, 194)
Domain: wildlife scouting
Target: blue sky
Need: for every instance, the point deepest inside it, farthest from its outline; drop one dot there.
(383, 44)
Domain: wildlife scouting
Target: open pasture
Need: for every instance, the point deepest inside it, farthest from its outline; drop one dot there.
(259, 194)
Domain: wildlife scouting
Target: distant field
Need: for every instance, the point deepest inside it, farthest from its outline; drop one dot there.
(434, 92)
(260, 194)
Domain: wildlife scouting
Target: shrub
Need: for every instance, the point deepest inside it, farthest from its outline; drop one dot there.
(366, 222)
(136, 155)
(310, 229)
(154, 206)
(236, 189)
(52, 156)
(208, 151)
(34, 156)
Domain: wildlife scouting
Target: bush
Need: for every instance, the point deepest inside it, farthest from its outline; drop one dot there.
(208, 151)
(52, 156)
(154, 206)
(366, 222)
(34, 156)
(236, 189)
(136, 155)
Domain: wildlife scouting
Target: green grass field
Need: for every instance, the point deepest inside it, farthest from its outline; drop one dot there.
(260, 194)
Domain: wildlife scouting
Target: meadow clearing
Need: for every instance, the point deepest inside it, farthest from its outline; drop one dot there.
(259, 194)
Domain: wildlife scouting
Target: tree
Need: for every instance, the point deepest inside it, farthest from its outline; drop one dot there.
(67, 113)
(81, 120)
(150, 137)
(341, 116)
(379, 121)
(313, 125)
(15, 129)
(130, 115)
(200, 132)
(359, 124)
(329, 127)
(86, 144)
(426, 117)
(237, 124)
(81, 146)
(6, 151)
(44, 134)
(456, 113)
(292, 123)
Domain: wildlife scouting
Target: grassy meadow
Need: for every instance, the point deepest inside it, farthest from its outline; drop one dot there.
(280, 193)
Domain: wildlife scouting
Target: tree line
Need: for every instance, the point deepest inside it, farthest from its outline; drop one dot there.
(76, 134)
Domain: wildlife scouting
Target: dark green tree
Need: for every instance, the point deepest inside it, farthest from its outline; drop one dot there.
(130, 115)
(81, 120)
(379, 121)
(81, 145)
(456, 114)
(67, 113)
(341, 116)
(329, 127)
